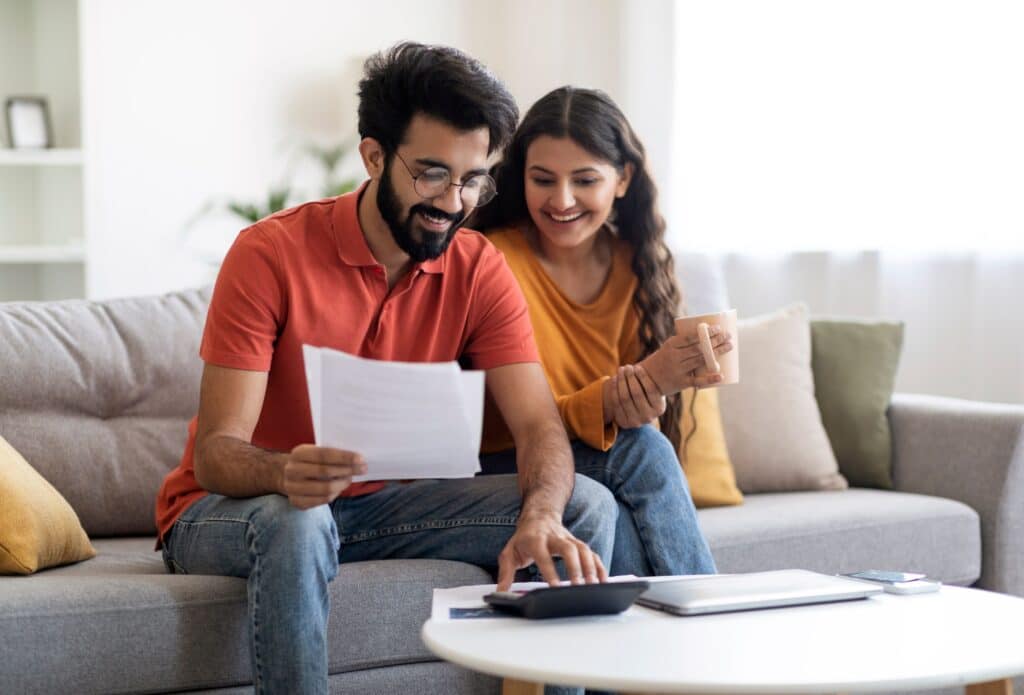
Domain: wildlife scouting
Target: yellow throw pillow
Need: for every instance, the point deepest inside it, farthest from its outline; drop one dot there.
(705, 457)
(38, 528)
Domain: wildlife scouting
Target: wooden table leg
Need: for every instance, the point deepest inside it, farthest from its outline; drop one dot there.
(511, 686)
(1000, 687)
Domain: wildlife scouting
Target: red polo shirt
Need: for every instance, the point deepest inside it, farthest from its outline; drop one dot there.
(306, 275)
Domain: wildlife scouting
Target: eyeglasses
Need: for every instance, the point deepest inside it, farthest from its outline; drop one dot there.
(434, 182)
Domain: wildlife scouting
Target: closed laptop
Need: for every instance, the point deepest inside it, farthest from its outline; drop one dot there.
(739, 592)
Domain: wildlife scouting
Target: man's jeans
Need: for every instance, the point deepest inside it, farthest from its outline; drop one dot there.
(657, 531)
(289, 555)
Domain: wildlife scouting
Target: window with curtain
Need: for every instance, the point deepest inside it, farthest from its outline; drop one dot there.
(866, 157)
(849, 125)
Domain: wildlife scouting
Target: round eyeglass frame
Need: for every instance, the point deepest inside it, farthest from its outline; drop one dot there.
(430, 195)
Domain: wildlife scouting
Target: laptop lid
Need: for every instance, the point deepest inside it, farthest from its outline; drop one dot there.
(739, 592)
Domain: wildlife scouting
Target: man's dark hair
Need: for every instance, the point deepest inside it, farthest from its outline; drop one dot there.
(437, 81)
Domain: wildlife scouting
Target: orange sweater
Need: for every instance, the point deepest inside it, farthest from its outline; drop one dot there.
(581, 345)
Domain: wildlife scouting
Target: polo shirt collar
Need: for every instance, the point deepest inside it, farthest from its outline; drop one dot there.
(351, 242)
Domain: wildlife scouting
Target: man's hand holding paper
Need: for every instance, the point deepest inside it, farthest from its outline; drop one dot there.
(315, 475)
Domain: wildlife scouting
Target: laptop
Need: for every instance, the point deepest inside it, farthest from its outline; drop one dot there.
(741, 592)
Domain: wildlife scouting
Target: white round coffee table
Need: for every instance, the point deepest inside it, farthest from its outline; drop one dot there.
(954, 637)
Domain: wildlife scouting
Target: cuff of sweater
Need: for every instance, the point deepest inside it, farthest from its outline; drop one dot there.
(588, 404)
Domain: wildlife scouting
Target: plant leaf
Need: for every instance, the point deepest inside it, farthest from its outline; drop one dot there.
(334, 189)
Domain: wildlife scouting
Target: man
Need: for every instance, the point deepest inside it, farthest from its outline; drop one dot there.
(385, 273)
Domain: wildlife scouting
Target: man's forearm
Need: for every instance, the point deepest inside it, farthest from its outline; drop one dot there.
(546, 472)
(234, 468)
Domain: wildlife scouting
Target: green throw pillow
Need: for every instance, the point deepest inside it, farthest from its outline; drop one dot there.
(854, 365)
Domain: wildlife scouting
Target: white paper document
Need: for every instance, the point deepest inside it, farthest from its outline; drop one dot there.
(407, 419)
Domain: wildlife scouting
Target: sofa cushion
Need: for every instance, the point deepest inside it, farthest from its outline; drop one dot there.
(38, 528)
(855, 365)
(121, 623)
(97, 396)
(776, 439)
(845, 531)
(703, 452)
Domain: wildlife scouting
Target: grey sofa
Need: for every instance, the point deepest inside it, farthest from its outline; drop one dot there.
(97, 395)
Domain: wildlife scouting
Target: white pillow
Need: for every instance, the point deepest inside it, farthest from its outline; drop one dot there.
(776, 438)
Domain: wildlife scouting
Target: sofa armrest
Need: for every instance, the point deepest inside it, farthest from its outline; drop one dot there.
(972, 452)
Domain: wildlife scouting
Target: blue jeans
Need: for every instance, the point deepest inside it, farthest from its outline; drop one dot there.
(657, 532)
(289, 556)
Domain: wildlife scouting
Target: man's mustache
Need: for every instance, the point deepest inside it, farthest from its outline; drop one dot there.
(431, 211)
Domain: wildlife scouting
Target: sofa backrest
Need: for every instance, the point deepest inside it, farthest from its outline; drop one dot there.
(97, 397)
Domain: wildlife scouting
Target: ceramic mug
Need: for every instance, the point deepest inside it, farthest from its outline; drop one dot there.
(729, 363)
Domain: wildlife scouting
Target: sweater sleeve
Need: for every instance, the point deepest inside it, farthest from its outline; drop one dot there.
(583, 415)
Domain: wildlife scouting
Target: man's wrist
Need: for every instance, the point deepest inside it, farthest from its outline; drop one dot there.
(275, 472)
(540, 513)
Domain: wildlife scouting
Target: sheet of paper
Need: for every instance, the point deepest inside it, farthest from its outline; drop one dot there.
(408, 420)
(311, 361)
(466, 597)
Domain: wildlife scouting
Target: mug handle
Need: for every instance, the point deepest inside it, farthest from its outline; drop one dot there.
(706, 349)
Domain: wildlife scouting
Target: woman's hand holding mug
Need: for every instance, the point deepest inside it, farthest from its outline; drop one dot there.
(682, 362)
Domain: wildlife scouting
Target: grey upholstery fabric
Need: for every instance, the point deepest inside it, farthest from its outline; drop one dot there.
(972, 452)
(847, 530)
(97, 395)
(434, 678)
(120, 623)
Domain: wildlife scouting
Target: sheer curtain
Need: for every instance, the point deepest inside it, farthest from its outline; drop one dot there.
(964, 324)
(866, 157)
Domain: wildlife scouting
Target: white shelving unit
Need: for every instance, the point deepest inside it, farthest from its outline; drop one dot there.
(43, 253)
(31, 158)
(42, 227)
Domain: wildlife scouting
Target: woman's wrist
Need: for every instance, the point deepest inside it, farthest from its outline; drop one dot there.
(650, 366)
(608, 400)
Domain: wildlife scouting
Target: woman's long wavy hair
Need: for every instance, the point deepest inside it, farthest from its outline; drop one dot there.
(591, 119)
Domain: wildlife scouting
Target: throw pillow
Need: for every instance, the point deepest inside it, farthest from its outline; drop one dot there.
(704, 453)
(854, 375)
(38, 528)
(776, 438)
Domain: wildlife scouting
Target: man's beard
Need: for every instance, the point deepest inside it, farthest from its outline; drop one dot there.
(432, 244)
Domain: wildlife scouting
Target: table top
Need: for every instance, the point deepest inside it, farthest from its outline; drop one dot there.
(954, 637)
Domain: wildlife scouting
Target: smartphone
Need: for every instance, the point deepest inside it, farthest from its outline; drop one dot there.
(568, 601)
(917, 586)
(883, 577)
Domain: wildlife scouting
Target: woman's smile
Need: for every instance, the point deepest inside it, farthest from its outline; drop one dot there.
(565, 218)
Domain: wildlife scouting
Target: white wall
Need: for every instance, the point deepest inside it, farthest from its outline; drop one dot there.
(623, 47)
(192, 100)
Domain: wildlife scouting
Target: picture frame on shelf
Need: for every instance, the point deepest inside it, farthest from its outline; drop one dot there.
(28, 122)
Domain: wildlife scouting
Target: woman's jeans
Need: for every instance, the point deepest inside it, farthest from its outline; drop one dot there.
(289, 556)
(657, 531)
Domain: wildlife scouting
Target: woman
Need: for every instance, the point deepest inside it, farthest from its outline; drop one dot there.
(578, 223)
